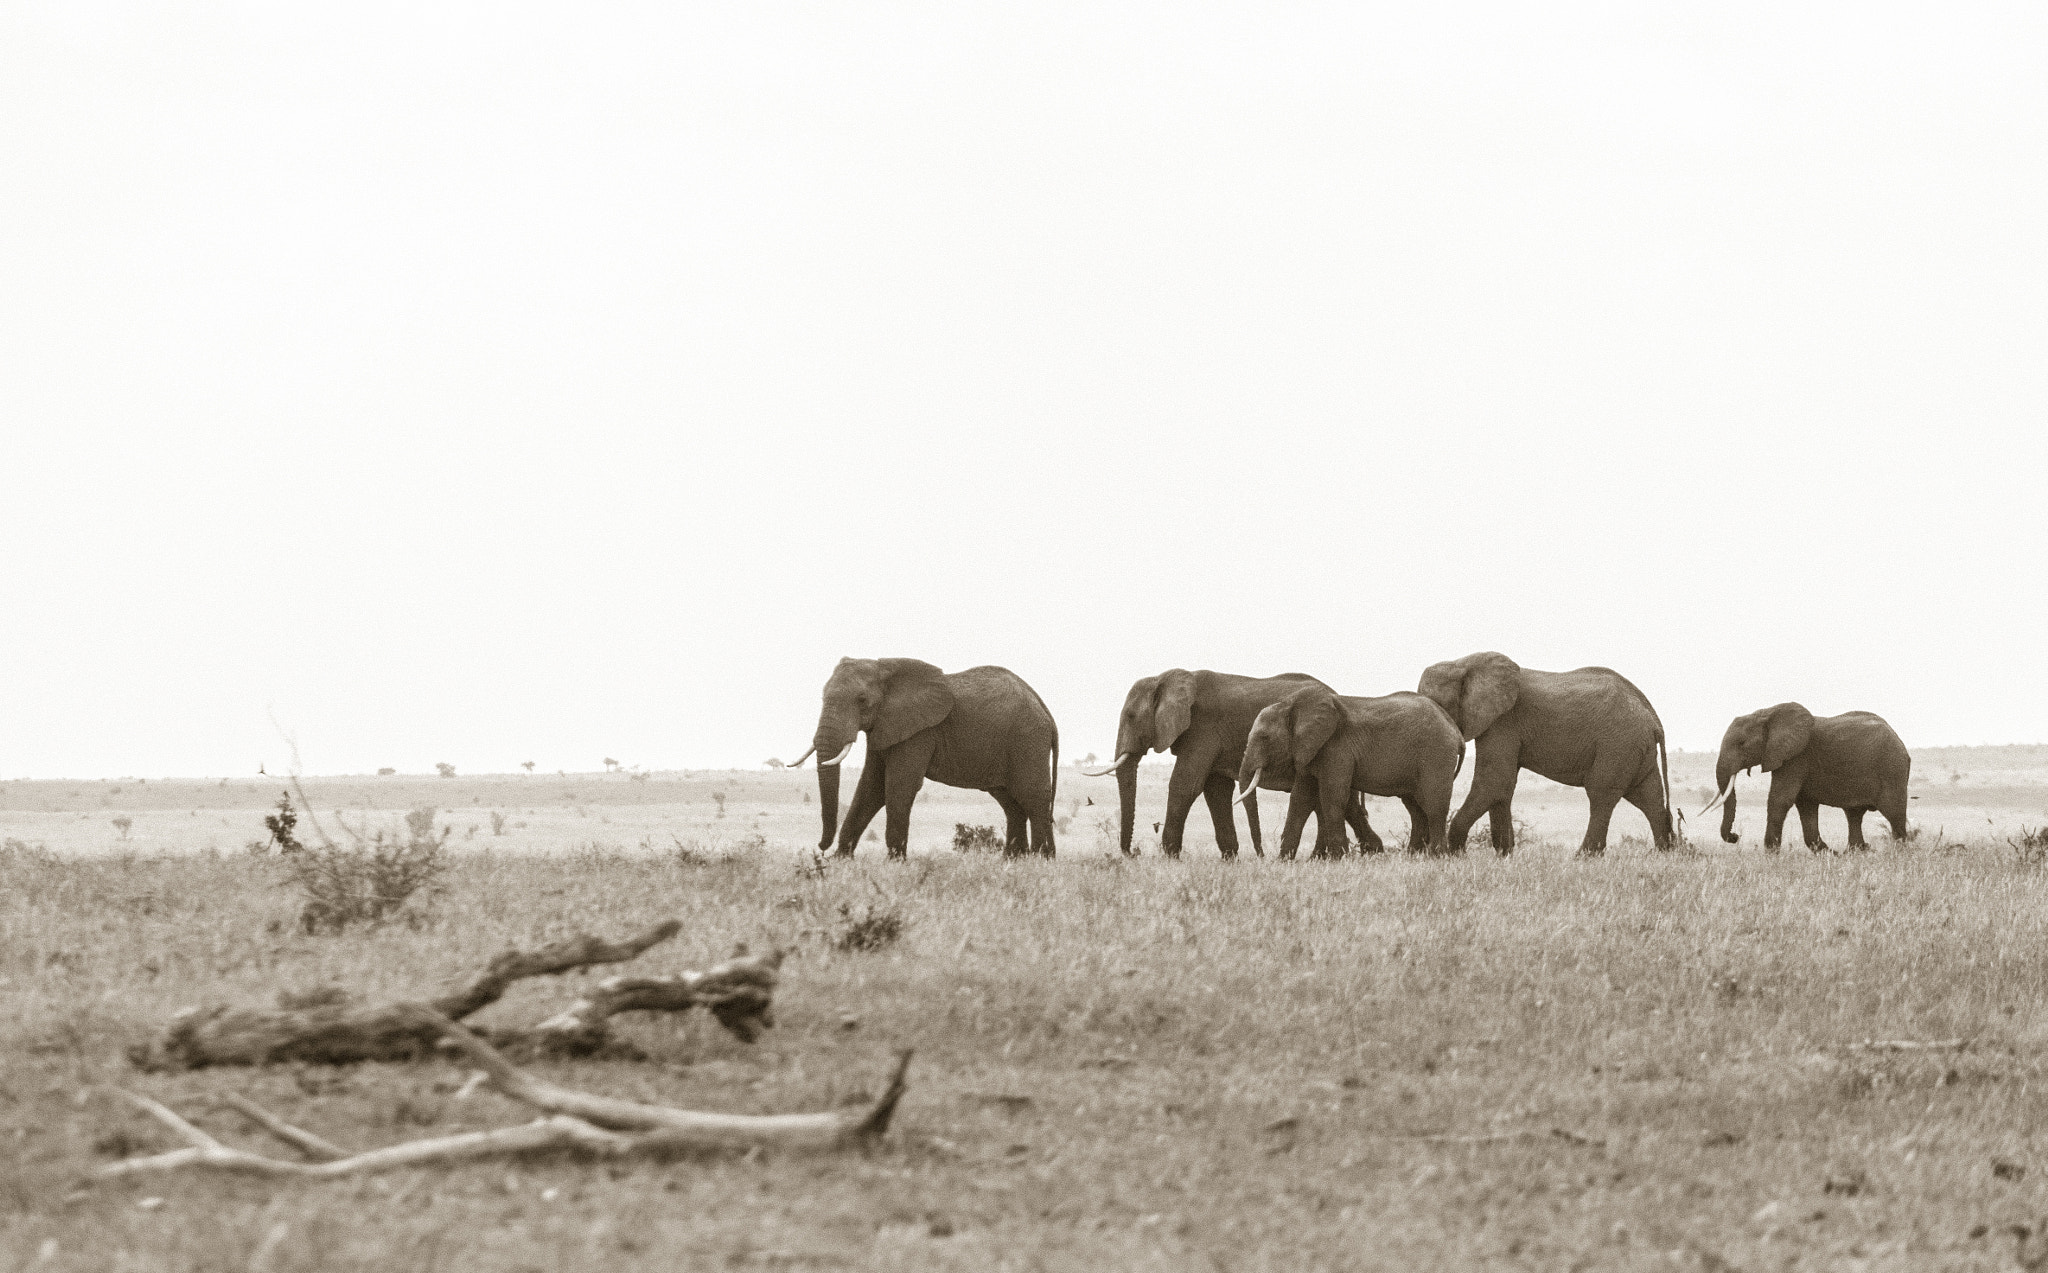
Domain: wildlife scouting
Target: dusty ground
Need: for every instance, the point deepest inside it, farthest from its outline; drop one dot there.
(1649, 1061)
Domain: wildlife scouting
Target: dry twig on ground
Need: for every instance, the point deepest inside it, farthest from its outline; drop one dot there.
(602, 1126)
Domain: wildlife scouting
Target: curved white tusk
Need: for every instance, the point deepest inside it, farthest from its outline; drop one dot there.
(1252, 790)
(1113, 767)
(827, 764)
(1715, 803)
(798, 762)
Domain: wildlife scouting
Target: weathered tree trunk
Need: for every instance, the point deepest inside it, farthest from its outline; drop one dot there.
(739, 993)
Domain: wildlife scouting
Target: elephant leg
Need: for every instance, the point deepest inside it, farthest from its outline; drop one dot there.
(1780, 804)
(1300, 803)
(899, 788)
(1181, 790)
(1494, 774)
(1438, 820)
(1500, 827)
(1809, 824)
(1251, 821)
(1894, 811)
(1040, 813)
(1601, 802)
(1013, 814)
(1332, 800)
(1648, 796)
(1217, 791)
(867, 802)
(1418, 824)
(1855, 816)
(1360, 823)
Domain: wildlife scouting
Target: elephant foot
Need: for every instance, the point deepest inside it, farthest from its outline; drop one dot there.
(1598, 852)
(1819, 846)
(1770, 847)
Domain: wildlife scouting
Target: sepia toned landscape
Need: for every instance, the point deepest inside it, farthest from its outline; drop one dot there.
(1713, 1058)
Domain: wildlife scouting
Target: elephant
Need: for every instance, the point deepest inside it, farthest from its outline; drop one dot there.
(1586, 728)
(1204, 717)
(982, 728)
(1854, 762)
(1397, 745)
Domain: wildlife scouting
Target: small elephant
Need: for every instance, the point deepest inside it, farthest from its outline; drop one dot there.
(1853, 762)
(982, 728)
(1586, 728)
(1204, 717)
(1330, 746)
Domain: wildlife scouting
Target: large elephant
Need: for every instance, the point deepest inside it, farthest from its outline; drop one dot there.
(1397, 745)
(982, 728)
(1854, 762)
(1204, 718)
(1586, 728)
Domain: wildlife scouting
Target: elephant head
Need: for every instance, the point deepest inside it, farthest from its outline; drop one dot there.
(1287, 736)
(1771, 738)
(1156, 713)
(1473, 691)
(889, 698)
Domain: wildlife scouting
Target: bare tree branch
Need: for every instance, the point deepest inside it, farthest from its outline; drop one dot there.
(304, 1141)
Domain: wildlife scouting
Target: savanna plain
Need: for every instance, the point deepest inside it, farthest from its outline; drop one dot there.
(1649, 1060)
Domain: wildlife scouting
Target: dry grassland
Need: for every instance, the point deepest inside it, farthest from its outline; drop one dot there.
(1646, 1061)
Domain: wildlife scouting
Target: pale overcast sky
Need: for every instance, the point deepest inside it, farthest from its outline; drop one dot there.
(491, 383)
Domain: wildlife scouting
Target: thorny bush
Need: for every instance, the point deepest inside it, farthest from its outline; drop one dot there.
(968, 839)
(869, 928)
(370, 879)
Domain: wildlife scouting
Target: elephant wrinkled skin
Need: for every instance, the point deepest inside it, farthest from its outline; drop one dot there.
(1204, 718)
(1586, 728)
(1398, 745)
(982, 728)
(1853, 762)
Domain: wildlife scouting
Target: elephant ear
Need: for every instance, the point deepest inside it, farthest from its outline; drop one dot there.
(915, 697)
(1316, 717)
(1492, 684)
(1786, 734)
(1174, 707)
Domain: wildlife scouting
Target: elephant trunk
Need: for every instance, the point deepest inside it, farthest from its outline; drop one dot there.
(1725, 771)
(1126, 801)
(828, 803)
(832, 742)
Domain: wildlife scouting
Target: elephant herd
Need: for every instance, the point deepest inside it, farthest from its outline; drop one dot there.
(985, 728)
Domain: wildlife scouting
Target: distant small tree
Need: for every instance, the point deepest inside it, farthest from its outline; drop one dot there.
(1085, 761)
(527, 765)
(773, 763)
(718, 798)
(447, 770)
(283, 825)
(610, 764)
(386, 772)
(122, 824)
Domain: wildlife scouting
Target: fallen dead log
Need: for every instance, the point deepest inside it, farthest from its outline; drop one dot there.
(739, 992)
(599, 1126)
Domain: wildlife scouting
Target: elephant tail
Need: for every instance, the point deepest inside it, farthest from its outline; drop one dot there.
(1664, 775)
(1055, 735)
(1461, 761)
